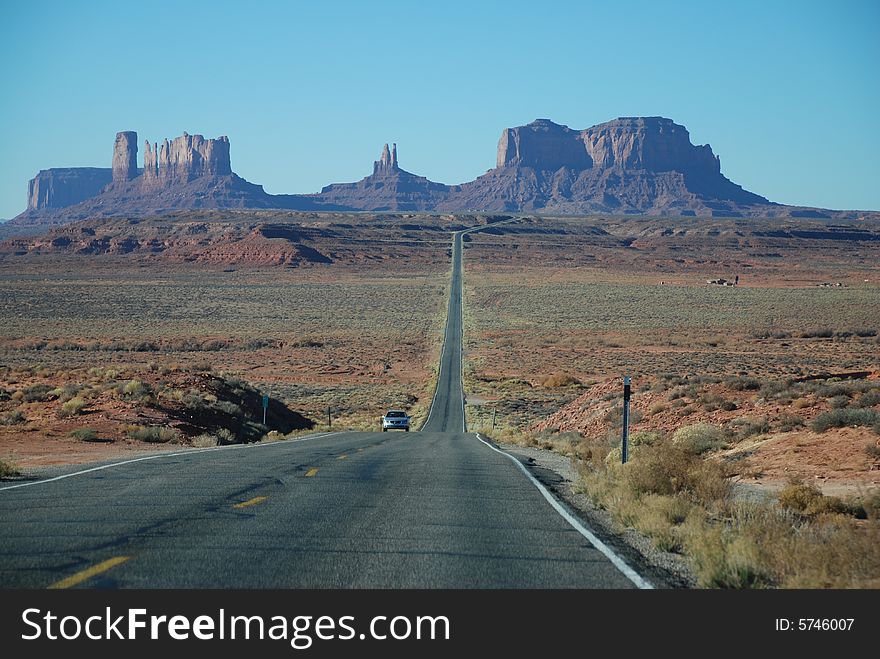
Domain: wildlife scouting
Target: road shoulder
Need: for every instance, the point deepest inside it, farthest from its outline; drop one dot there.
(664, 569)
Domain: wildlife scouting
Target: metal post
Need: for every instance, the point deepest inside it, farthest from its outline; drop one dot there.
(624, 448)
(265, 407)
(329, 420)
(493, 419)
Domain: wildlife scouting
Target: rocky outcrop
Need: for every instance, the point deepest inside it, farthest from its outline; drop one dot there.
(388, 188)
(630, 165)
(125, 156)
(186, 158)
(387, 163)
(64, 186)
(542, 145)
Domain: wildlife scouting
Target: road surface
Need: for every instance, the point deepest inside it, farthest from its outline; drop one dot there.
(430, 509)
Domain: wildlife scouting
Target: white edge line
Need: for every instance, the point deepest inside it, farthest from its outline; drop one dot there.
(165, 455)
(578, 526)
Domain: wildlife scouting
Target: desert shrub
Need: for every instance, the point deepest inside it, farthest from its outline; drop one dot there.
(135, 389)
(699, 438)
(144, 346)
(838, 402)
(746, 426)
(872, 450)
(13, 418)
(228, 407)
(7, 469)
(204, 440)
(226, 436)
(645, 438)
(816, 334)
(4, 395)
(845, 418)
(153, 434)
(788, 422)
(809, 501)
(798, 496)
(658, 470)
(869, 399)
(595, 450)
(193, 401)
(728, 405)
(802, 403)
(730, 556)
(743, 384)
(657, 408)
(84, 434)
(72, 407)
(37, 393)
(657, 516)
(66, 392)
(559, 380)
(272, 436)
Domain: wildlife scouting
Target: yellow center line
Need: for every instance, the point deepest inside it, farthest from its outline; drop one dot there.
(342, 457)
(250, 502)
(311, 472)
(88, 573)
(360, 449)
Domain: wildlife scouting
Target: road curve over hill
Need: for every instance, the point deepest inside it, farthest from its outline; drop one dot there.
(437, 508)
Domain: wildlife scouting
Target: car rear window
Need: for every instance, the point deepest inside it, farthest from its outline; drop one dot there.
(395, 414)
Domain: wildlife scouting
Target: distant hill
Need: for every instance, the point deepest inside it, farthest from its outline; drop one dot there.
(631, 165)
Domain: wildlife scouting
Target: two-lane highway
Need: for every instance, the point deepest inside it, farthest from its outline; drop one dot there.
(438, 508)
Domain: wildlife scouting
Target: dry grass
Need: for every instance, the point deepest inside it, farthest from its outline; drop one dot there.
(683, 503)
(7, 469)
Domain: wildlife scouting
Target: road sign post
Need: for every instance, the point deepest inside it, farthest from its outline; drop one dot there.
(624, 447)
(493, 419)
(329, 419)
(265, 407)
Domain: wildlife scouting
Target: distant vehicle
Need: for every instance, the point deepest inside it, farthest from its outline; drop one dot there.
(395, 419)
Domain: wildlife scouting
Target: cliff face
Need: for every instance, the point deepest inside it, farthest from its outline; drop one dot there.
(125, 156)
(65, 186)
(185, 158)
(630, 165)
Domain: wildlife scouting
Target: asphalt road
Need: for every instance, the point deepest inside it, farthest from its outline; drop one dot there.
(438, 508)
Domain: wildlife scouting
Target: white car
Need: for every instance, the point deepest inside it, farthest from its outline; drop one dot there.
(395, 420)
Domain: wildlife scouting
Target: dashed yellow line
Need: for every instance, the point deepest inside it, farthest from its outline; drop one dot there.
(88, 573)
(342, 457)
(250, 502)
(311, 472)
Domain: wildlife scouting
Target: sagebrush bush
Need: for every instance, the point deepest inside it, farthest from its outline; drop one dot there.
(746, 426)
(7, 469)
(84, 434)
(845, 418)
(153, 434)
(37, 393)
(559, 380)
(699, 438)
(72, 407)
(788, 422)
(204, 440)
(13, 418)
(869, 399)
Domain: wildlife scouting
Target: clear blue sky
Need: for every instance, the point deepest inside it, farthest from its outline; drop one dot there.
(787, 93)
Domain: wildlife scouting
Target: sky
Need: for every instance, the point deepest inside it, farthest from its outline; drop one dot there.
(786, 93)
